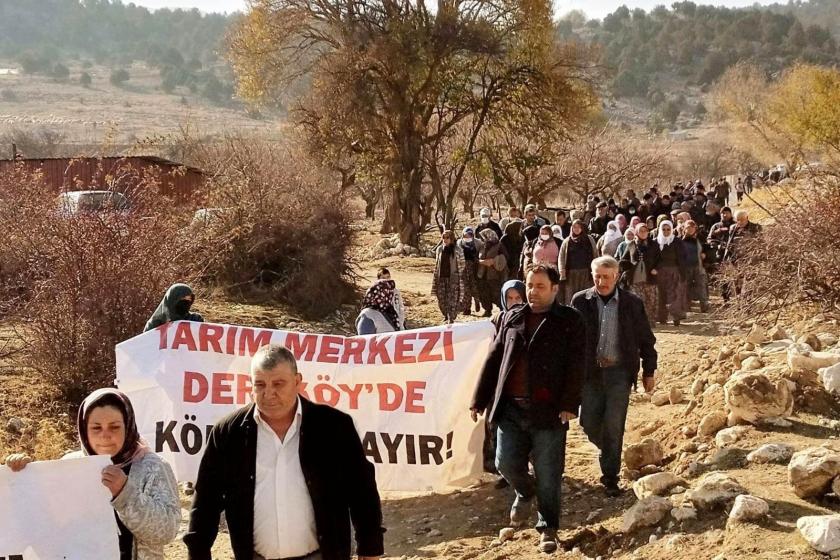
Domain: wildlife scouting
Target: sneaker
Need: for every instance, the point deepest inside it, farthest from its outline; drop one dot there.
(520, 512)
(548, 541)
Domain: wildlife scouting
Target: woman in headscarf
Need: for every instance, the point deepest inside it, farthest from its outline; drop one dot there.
(576, 255)
(629, 236)
(695, 274)
(670, 278)
(448, 280)
(492, 270)
(530, 236)
(470, 246)
(608, 243)
(142, 485)
(512, 242)
(175, 306)
(638, 270)
(378, 314)
(634, 221)
(621, 220)
(546, 249)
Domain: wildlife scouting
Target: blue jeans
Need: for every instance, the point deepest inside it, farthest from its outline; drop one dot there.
(603, 411)
(516, 440)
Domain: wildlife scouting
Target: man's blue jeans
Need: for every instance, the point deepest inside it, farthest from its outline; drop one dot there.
(516, 440)
(603, 412)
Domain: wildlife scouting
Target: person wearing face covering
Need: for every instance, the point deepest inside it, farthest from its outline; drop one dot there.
(547, 248)
(175, 306)
(144, 490)
(576, 254)
(530, 235)
(485, 216)
(492, 270)
(470, 246)
(671, 274)
(512, 242)
(608, 243)
(448, 279)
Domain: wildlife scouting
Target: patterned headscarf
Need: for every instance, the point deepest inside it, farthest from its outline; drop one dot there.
(380, 297)
(134, 446)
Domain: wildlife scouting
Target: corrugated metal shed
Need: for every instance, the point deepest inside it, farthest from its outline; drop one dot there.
(69, 174)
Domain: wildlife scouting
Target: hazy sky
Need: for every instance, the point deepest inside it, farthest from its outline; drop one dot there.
(593, 8)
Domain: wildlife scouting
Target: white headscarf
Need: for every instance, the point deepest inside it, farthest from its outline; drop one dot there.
(613, 233)
(661, 239)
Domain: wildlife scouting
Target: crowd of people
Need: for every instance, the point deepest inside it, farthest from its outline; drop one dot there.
(577, 300)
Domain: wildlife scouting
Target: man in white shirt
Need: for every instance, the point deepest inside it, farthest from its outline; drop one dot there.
(271, 466)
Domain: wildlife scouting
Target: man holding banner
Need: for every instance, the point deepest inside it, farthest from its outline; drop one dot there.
(290, 475)
(530, 387)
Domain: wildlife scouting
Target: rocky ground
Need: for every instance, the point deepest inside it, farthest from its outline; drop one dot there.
(697, 448)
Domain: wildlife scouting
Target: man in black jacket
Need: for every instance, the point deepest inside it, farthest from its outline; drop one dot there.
(289, 474)
(617, 334)
(530, 388)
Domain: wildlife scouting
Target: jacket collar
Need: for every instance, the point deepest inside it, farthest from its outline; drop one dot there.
(591, 293)
(248, 417)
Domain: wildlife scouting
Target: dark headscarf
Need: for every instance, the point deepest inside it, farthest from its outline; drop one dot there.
(169, 309)
(531, 232)
(517, 285)
(134, 446)
(380, 297)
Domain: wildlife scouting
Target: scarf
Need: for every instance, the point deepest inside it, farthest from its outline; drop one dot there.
(134, 446)
(166, 311)
(662, 239)
(613, 233)
(380, 297)
(517, 285)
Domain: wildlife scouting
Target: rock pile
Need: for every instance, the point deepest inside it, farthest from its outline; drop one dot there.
(393, 247)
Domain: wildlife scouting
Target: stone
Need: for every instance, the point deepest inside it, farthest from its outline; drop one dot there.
(728, 436)
(713, 489)
(776, 422)
(724, 353)
(802, 359)
(684, 512)
(712, 423)
(678, 489)
(645, 513)
(688, 431)
(698, 386)
(728, 458)
(660, 398)
(776, 347)
(675, 395)
(812, 470)
(649, 469)
(435, 533)
(752, 363)
(811, 340)
(777, 333)
(779, 453)
(757, 335)
(827, 340)
(835, 486)
(715, 384)
(15, 426)
(650, 427)
(822, 532)
(748, 508)
(830, 377)
(384, 244)
(506, 534)
(647, 452)
(630, 474)
(655, 484)
(752, 396)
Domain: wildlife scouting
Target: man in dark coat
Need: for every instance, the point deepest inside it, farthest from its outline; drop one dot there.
(598, 224)
(313, 478)
(618, 334)
(530, 388)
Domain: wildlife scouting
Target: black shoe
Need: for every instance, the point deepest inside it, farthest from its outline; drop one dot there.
(612, 490)
(676, 322)
(501, 483)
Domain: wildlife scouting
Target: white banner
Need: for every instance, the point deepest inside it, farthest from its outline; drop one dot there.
(408, 392)
(57, 510)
